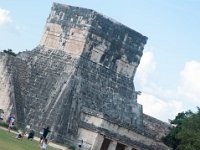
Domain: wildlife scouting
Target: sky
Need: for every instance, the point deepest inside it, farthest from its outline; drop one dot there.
(169, 72)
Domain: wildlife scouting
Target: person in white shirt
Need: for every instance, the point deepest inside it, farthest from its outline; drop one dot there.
(2, 116)
(44, 144)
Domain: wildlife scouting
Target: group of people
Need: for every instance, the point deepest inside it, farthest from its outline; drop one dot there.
(43, 139)
(11, 120)
(23, 133)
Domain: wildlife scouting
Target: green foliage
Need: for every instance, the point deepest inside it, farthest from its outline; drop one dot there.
(185, 135)
(72, 147)
(5, 124)
(10, 52)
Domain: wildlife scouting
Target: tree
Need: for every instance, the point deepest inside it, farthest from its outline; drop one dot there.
(185, 132)
(10, 52)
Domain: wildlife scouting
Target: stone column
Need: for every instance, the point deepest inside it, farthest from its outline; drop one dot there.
(128, 148)
(98, 142)
(113, 145)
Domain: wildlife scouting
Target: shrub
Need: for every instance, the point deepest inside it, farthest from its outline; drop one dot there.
(10, 52)
(5, 124)
(72, 147)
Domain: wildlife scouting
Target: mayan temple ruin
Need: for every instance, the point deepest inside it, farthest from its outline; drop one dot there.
(79, 81)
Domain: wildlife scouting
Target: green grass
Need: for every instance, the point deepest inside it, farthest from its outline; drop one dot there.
(9, 142)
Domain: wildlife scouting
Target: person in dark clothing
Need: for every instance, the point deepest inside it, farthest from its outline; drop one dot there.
(31, 135)
(45, 133)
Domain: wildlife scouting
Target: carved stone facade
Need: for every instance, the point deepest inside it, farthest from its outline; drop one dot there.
(79, 81)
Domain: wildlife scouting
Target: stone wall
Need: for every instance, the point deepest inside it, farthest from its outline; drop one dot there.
(80, 31)
(13, 80)
(109, 52)
(155, 127)
(50, 84)
(6, 86)
(113, 94)
(51, 95)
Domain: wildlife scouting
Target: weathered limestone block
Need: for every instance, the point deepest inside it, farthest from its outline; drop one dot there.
(6, 87)
(155, 127)
(99, 141)
(128, 148)
(91, 138)
(112, 145)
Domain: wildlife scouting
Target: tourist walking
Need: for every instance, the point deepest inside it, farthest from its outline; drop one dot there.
(44, 144)
(44, 134)
(11, 120)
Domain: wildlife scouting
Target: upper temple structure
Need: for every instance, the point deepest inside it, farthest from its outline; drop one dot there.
(79, 81)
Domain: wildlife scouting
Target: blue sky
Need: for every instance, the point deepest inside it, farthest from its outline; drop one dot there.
(169, 73)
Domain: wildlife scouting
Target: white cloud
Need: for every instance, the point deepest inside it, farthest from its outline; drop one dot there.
(158, 107)
(4, 17)
(190, 82)
(165, 103)
(146, 67)
(8, 29)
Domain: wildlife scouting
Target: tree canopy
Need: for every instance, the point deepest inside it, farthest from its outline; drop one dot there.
(185, 131)
(10, 52)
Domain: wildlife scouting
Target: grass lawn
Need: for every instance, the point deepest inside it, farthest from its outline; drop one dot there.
(9, 142)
